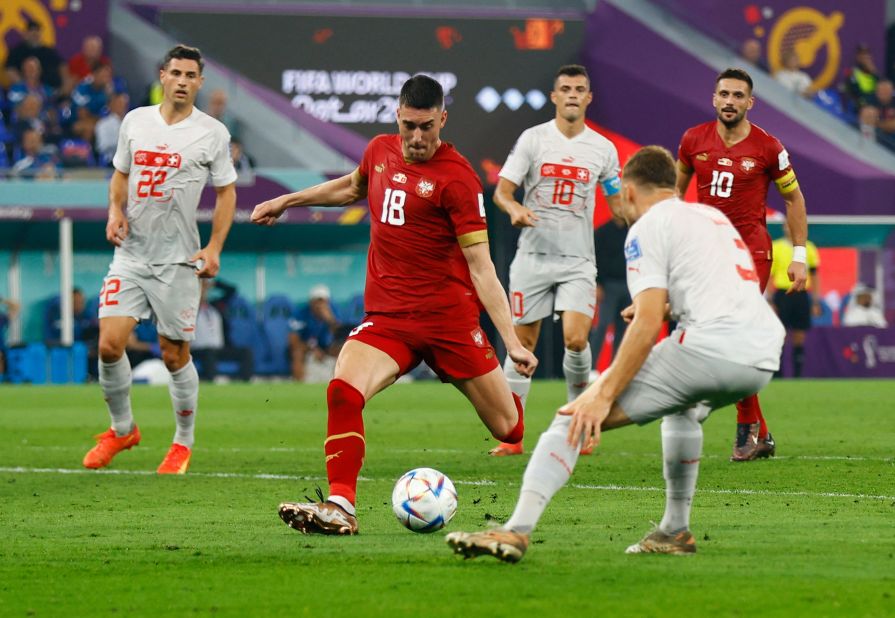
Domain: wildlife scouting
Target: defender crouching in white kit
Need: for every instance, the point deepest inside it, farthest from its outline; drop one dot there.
(721, 314)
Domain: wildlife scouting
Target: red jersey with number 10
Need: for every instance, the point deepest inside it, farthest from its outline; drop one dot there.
(735, 180)
(421, 214)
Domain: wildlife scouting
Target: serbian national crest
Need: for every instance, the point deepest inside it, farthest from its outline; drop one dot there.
(425, 187)
(747, 164)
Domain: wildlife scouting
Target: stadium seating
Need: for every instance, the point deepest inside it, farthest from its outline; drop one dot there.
(272, 350)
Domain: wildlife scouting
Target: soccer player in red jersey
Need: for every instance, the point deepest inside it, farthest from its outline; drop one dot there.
(429, 272)
(735, 162)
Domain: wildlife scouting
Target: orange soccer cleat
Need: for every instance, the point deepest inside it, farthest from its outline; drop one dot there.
(108, 445)
(176, 461)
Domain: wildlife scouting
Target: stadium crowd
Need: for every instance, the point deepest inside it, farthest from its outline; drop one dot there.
(58, 114)
(863, 97)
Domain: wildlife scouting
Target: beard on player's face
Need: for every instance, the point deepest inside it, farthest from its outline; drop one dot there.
(729, 122)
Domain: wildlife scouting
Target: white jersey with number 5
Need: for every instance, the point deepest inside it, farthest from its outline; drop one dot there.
(167, 168)
(695, 253)
(560, 176)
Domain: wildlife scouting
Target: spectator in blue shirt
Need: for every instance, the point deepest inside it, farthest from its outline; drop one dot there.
(86, 322)
(36, 160)
(313, 328)
(30, 84)
(90, 101)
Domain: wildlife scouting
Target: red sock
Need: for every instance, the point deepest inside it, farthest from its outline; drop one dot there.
(345, 443)
(515, 436)
(749, 411)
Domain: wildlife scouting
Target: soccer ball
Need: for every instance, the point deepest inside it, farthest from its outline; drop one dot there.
(424, 500)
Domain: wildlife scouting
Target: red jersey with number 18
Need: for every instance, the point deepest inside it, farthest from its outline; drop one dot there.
(735, 180)
(421, 214)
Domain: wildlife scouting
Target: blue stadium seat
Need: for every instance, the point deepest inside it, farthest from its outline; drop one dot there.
(830, 100)
(273, 356)
(242, 326)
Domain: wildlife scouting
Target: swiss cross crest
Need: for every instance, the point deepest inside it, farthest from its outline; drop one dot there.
(747, 164)
(425, 187)
(478, 337)
(582, 174)
(399, 178)
(173, 160)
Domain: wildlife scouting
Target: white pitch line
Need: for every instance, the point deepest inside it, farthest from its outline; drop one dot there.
(454, 451)
(478, 482)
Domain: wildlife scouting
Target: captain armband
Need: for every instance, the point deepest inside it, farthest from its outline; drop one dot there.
(787, 183)
(472, 238)
(612, 186)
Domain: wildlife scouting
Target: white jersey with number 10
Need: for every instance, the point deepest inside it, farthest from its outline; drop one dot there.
(559, 176)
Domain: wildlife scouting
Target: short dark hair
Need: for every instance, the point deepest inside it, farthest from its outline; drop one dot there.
(421, 92)
(732, 73)
(184, 52)
(572, 70)
(652, 167)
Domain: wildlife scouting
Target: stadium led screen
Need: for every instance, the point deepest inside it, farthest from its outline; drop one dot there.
(348, 70)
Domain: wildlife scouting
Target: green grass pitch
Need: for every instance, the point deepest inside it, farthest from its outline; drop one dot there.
(810, 533)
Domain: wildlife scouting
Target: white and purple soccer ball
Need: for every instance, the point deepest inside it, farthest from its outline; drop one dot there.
(424, 500)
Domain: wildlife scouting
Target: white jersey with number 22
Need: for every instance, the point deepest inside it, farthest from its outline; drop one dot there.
(167, 168)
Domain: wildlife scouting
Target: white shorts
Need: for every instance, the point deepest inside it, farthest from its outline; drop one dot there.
(168, 294)
(675, 378)
(542, 285)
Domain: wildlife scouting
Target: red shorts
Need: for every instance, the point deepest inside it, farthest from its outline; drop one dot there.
(455, 349)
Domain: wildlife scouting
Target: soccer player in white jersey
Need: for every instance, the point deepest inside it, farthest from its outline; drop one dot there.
(165, 155)
(559, 164)
(726, 345)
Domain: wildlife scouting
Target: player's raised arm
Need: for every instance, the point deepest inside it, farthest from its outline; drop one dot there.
(494, 299)
(337, 192)
(504, 198)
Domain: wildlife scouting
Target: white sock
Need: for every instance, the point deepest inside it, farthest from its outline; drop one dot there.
(115, 380)
(576, 367)
(342, 502)
(549, 468)
(519, 384)
(184, 390)
(681, 449)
